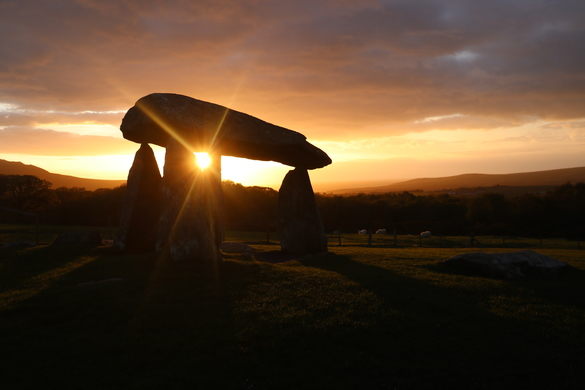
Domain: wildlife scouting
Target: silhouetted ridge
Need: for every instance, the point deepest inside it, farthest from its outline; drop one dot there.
(57, 180)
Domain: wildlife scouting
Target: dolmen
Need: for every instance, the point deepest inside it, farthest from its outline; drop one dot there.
(180, 212)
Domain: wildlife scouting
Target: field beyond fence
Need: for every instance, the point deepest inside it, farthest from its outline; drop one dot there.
(45, 234)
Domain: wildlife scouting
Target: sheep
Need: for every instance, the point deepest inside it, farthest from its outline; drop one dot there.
(362, 231)
(381, 231)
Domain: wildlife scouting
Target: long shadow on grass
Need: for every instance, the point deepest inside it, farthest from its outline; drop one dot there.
(125, 321)
(21, 265)
(451, 335)
(167, 325)
(566, 288)
(415, 299)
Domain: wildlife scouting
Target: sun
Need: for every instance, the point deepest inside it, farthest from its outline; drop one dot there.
(203, 160)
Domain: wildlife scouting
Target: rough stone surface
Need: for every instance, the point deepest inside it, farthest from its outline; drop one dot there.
(141, 208)
(78, 238)
(300, 223)
(214, 170)
(514, 265)
(187, 225)
(161, 117)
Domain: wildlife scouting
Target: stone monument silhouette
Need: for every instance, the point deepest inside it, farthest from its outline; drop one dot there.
(181, 212)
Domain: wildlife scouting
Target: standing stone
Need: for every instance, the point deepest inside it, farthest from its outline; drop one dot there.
(300, 223)
(187, 228)
(217, 193)
(141, 208)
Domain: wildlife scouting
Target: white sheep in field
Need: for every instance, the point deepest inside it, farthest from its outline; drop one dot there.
(362, 231)
(425, 234)
(381, 231)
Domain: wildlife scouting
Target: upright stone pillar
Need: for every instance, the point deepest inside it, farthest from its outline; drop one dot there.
(141, 207)
(300, 224)
(217, 194)
(188, 228)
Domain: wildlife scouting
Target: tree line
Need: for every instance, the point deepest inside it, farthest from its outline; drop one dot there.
(556, 213)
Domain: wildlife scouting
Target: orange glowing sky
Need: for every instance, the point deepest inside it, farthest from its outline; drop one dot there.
(390, 89)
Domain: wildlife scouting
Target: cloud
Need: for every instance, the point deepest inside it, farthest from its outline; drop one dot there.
(12, 115)
(25, 140)
(327, 68)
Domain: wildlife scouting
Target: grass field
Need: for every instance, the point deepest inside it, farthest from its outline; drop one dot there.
(356, 317)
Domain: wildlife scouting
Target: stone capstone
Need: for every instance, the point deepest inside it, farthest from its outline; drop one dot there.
(514, 265)
(141, 208)
(161, 118)
(300, 223)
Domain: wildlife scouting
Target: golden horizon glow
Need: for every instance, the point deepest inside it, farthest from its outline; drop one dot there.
(433, 153)
(81, 128)
(252, 172)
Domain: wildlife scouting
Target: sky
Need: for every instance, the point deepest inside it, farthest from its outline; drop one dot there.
(391, 90)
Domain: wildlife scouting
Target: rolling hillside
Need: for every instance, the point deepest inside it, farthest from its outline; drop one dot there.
(18, 168)
(540, 179)
(553, 177)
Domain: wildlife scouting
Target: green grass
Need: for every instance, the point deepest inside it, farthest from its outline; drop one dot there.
(357, 317)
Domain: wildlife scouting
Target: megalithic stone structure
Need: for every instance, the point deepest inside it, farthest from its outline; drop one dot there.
(191, 219)
(141, 208)
(300, 224)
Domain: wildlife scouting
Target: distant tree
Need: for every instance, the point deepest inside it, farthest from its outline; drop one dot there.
(559, 213)
(488, 213)
(26, 192)
(249, 208)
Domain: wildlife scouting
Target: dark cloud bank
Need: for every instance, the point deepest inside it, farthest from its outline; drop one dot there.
(339, 64)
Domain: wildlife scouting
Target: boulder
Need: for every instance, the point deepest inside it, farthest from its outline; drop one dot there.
(141, 208)
(78, 238)
(161, 118)
(300, 223)
(187, 225)
(514, 265)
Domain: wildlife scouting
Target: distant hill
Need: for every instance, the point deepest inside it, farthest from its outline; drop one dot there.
(18, 168)
(540, 179)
